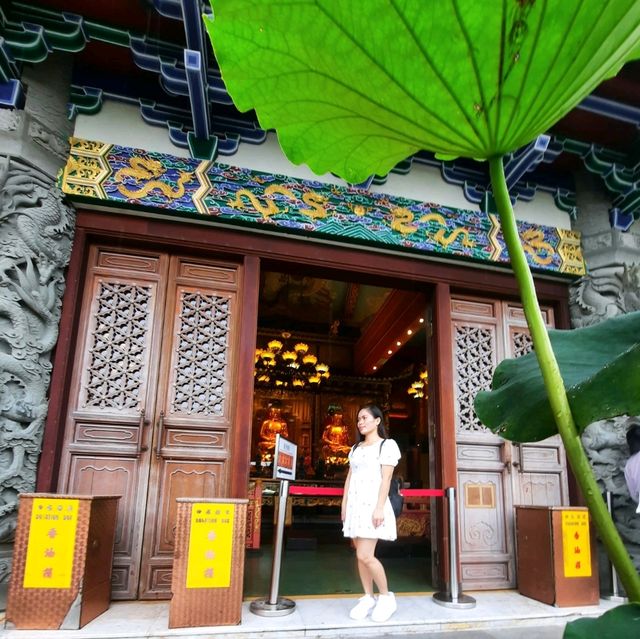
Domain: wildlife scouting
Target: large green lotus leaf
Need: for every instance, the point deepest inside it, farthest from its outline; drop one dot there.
(355, 86)
(600, 366)
(621, 621)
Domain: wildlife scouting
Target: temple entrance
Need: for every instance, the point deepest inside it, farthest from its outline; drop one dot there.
(351, 343)
(151, 400)
(152, 397)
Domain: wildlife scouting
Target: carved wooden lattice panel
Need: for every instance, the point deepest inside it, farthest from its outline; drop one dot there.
(117, 351)
(202, 348)
(474, 357)
(521, 343)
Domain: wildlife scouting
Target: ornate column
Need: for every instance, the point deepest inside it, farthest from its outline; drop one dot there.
(36, 231)
(611, 287)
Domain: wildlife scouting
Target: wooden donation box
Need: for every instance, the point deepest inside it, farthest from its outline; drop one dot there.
(208, 562)
(62, 559)
(557, 561)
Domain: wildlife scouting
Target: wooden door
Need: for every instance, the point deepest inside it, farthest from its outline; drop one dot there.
(193, 408)
(150, 409)
(493, 474)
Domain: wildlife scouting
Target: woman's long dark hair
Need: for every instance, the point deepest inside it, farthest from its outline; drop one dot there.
(633, 439)
(375, 411)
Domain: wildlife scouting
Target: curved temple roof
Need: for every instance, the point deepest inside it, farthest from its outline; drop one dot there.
(155, 53)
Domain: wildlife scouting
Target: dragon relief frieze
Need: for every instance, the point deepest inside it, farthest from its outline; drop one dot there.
(603, 293)
(36, 230)
(606, 446)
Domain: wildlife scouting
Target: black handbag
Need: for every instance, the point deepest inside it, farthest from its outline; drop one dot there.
(395, 497)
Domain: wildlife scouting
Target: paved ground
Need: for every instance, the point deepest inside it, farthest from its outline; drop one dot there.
(544, 632)
(497, 615)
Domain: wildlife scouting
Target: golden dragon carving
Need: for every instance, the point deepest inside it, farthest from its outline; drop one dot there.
(316, 203)
(269, 207)
(266, 210)
(402, 220)
(534, 244)
(141, 169)
(441, 237)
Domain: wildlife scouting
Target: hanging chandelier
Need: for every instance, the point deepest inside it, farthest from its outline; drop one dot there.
(418, 388)
(282, 367)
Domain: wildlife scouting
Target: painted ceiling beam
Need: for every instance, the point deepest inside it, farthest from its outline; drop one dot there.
(620, 175)
(8, 67)
(524, 160)
(611, 109)
(11, 94)
(194, 26)
(169, 8)
(473, 178)
(229, 132)
(202, 143)
(400, 312)
(84, 100)
(197, 93)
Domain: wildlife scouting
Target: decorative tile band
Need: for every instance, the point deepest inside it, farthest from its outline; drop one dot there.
(134, 178)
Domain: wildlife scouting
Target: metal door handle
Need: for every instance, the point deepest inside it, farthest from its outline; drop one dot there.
(519, 464)
(141, 424)
(160, 434)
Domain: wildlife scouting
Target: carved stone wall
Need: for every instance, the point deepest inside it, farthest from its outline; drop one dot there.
(36, 231)
(611, 287)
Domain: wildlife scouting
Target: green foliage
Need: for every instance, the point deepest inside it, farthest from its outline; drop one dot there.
(354, 87)
(600, 366)
(620, 622)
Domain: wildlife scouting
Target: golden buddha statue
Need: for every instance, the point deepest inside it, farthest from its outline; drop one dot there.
(336, 442)
(273, 425)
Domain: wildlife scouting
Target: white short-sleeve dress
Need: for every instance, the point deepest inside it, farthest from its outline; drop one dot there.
(364, 485)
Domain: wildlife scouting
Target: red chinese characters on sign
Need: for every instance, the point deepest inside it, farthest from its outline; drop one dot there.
(210, 545)
(51, 543)
(576, 543)
(285, 461)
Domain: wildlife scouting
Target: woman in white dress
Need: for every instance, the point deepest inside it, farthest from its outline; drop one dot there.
(367, 514)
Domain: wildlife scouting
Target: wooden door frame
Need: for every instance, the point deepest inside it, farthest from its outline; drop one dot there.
(255, 250)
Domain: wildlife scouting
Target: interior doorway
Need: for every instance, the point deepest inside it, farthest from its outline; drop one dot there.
(373, 341)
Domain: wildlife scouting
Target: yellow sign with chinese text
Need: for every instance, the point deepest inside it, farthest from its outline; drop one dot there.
(576, 546)
(51, 544)
(210, 545)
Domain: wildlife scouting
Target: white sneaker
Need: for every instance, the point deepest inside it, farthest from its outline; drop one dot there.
(364, 606)
(385, 607)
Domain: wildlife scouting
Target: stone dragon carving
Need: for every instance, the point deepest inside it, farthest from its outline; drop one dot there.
(605, 292)
(36, 230)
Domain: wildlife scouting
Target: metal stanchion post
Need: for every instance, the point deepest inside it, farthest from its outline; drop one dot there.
(615, 594)
(274, 606)
(453, 598)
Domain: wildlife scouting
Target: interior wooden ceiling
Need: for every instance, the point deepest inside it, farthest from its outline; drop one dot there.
(382, 324)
